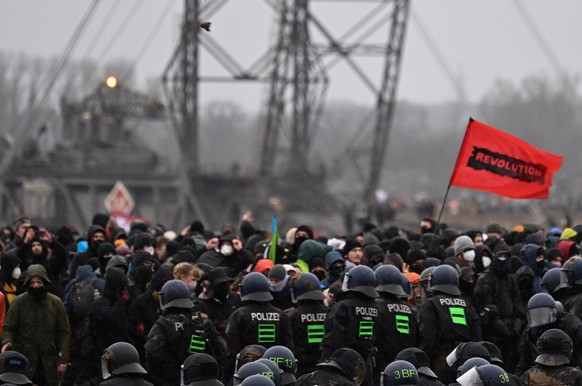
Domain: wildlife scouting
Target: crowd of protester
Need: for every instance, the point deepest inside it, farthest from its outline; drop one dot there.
(427, 306)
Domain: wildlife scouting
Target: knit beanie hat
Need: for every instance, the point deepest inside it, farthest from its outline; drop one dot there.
(462, 243)
(351, 244)
(278, 272)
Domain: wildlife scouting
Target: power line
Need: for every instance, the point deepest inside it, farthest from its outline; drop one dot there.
(55, 72)
(149, 38)
(120, 29)
(100, 29)
(439, 56)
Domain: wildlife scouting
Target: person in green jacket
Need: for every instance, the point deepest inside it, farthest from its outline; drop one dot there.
(37, 326)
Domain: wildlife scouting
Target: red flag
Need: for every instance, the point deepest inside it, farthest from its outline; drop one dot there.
(496, 162)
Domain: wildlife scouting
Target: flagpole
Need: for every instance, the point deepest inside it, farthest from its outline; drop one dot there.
(436, 228)
(438, 223)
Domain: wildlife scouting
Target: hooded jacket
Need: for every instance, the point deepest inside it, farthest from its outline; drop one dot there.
(309, 249)
(39, 328)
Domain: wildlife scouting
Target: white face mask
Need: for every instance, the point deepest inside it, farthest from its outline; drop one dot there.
(16, 273)
(469, 256)
(149, 250)
(486, 262)
(192, 285)
(226, 250)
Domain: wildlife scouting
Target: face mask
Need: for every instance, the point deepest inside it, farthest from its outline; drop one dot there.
(149, 250)
(336, 271)
(469, 256)
(37, 293)
(192, 285)
(298, 242)
(16, 273)
(486, 261)
(221, 291)
(226, 250)
(541, 264)
(277, 287)
(320, 274)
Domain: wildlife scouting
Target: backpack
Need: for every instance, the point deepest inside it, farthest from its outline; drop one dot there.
(79, 299)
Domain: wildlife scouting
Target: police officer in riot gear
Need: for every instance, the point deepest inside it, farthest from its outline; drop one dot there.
(542, 315)
(120, 366)
(353, 321)
(554, 349)
(256, 321)
(446, 319)
(307, 320)
(179, 333)
(397, 326)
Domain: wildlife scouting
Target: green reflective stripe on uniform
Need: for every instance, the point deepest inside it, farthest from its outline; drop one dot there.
(366, 329)
(266, 333)
(403, 324)
(197, 344)
(458, 315)
(315, 333)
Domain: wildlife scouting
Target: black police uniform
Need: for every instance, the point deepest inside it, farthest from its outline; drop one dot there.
(174, 337)
(308, 326)
(353, 323)
(256, 323)
(397, 329)
(446, 321)
(568, 323)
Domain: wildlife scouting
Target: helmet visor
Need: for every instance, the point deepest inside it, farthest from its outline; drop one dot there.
(541, 316)
(470, 378)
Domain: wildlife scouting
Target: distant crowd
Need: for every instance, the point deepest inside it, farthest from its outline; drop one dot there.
(429, 306)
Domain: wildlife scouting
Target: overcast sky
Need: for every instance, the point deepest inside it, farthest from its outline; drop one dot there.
(480, 40)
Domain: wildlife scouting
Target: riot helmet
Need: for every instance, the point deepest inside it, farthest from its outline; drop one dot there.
(285, 359)
(120, 358)
(485, 375)
(175, 294)
(554, 348)
(15, 368)
(541, 310)
(252, 368)
(389, 280)
(399, 373)
(306, 287)
(277, 372)
(360, 279)
(445, 279)
(257, 380)
(198, 367)
(555, 279)
(470, 363)
(255, 287)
